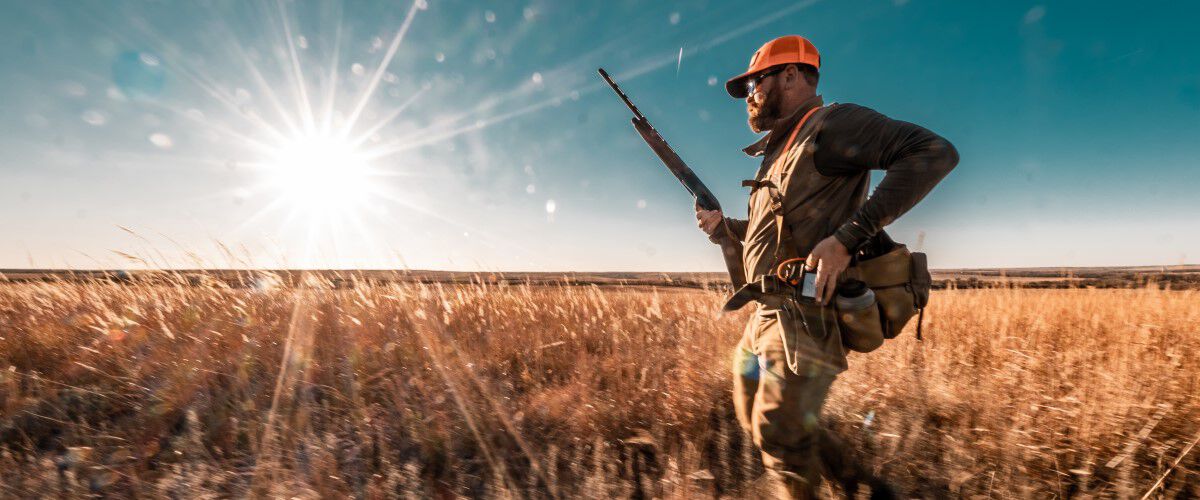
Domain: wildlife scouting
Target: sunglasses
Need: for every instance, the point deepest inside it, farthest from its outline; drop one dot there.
(753, 82)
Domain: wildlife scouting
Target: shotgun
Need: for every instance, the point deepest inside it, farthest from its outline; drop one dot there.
(731, 246)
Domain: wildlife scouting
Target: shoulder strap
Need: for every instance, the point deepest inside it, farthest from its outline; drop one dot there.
(781, 232)
(796, 131)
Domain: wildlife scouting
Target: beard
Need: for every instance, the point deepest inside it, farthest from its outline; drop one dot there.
(762, 118)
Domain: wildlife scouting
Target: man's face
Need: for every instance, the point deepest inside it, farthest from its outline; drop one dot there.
(763, 104)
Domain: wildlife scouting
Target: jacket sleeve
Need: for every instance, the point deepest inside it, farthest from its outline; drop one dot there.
(738, 226)
(854, 139)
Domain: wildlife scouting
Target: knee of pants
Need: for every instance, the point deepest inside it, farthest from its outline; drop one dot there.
(789, 438)
(787, 415)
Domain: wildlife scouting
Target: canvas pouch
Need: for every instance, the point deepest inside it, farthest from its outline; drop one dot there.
(901, 282)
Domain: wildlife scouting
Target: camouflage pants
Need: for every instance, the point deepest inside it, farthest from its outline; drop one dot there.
(780, 409)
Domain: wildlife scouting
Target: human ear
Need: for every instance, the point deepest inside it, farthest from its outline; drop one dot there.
(791, 76)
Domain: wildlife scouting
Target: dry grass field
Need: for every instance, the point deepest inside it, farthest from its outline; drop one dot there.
(187, 390)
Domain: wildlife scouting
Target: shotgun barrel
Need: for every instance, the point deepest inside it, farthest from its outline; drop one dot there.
(703, 196)
(731, 245)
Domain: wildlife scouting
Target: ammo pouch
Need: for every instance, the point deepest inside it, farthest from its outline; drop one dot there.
(899, 279)
(901, 282)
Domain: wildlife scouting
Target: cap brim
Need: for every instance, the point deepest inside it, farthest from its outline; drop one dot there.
(736, 86)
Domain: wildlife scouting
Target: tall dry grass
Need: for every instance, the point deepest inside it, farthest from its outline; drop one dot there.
(178, 390)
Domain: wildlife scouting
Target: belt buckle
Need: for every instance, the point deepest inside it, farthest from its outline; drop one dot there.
(770, 284)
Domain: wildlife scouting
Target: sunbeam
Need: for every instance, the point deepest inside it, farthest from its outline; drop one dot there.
(391, 116)
(305, 157)
(303, 103)
(268, 91)
(378, 74)
(331, 94)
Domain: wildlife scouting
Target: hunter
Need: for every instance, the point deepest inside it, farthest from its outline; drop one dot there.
(810, 199)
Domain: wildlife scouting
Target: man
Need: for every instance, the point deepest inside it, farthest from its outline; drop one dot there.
(809, 200)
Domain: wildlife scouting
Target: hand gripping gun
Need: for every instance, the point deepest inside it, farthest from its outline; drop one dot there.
(731, 246)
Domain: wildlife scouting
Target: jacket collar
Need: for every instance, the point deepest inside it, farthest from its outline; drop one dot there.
(761, 146)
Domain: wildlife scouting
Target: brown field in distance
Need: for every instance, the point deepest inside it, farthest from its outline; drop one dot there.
(1175, 277)
(347, 383)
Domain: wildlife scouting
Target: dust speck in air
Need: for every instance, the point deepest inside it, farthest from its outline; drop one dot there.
(163, 141)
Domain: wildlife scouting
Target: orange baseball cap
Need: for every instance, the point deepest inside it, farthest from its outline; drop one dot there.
(790, 49)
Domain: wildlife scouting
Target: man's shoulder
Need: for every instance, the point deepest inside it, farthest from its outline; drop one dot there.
(848, 119)
(840, 138)
(847, 111)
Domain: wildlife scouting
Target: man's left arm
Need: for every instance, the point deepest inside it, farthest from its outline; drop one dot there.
(856, 138)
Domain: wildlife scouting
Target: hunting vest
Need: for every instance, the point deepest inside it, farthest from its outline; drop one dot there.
(792, 206)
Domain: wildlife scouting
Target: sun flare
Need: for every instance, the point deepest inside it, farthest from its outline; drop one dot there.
(320, 175)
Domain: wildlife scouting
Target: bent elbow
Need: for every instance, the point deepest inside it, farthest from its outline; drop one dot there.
(947, 156)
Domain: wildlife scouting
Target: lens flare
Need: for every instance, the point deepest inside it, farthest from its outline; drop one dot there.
(320, 175)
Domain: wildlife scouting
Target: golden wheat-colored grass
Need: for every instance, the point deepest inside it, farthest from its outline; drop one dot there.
(159, 389)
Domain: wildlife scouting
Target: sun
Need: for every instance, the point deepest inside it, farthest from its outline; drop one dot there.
(319, 175)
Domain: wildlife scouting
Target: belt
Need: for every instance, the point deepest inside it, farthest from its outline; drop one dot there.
(768, 290)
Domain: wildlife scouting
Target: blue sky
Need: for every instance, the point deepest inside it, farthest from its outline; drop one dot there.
(154, 129)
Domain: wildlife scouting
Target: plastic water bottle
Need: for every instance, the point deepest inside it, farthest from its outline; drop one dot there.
(854, 295)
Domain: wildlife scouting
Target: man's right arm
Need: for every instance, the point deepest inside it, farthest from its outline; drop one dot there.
(738, 227)
(710, 222)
